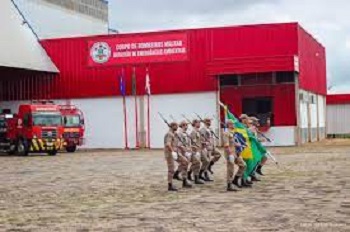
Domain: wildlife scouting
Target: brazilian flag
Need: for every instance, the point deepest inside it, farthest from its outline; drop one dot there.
(254, 151)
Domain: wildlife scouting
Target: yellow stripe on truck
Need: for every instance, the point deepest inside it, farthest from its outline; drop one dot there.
(41, 144)
(35, 145)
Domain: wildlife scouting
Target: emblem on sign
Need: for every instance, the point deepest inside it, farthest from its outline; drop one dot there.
(100, 52)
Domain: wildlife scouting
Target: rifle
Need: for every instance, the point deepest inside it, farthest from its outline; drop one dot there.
(264, 136)
(172, 118)
(165, 121)
(212, 132)
(188, 120)
(272, 157)
(221, 123)
(176, 134)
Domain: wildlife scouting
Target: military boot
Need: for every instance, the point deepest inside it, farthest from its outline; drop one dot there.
(197, 180)
(255, 178)
(245, 184)
(206, 176)
(171, 188)
(201, 176)
(176, 176)
(186, 184)
(210, 166)
(189, 175)
(259, 170)
(237, 181)
(230, 188)
(249, 182)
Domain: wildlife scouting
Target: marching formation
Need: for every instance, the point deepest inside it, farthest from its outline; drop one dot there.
(195, 151)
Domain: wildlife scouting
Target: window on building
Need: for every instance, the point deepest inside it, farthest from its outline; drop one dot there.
(313, 99)
(285, 77)
(229, 80)
(256, 79)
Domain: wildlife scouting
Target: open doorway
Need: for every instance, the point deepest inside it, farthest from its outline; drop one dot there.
(260, 107)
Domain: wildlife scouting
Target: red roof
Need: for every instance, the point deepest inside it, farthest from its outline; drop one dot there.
(337, 99)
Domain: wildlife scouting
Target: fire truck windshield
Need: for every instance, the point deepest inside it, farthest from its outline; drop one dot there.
(47, 119)
(72, 121)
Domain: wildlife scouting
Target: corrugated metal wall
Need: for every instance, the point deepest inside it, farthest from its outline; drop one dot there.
(312, 64)
(322, 116)
(274, 45)
(338, 119)
(20, 84)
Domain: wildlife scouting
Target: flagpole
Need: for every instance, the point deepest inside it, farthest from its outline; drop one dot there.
(125, 124)
(148, 92)
(148, 122)
(137, 124)
(123, 93)
(136, 110)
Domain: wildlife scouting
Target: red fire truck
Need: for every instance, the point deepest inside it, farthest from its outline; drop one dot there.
(74, 128)
(36, 128)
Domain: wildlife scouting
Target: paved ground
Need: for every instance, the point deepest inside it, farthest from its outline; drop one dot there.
(126, 191)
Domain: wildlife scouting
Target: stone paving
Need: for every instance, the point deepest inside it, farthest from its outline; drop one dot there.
(126, 191)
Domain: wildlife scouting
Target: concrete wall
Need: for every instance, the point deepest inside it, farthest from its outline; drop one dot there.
(281, 136)
(304, 118)
(204, 104)
(105, 119)
(53, 21)
(312, 117)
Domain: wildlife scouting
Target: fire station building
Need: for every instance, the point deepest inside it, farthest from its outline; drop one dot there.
(275, 71)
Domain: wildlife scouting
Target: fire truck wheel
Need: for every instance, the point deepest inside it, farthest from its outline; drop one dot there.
(52, 153)
(71, 149)
(12, 150)
(22, 148)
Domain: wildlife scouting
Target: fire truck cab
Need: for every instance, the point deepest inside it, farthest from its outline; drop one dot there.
(74, 128)
(36, 128)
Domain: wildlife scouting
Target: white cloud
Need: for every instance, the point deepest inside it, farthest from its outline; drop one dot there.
(347, 43)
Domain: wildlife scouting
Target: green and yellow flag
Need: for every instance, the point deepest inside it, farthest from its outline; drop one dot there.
(254, 151)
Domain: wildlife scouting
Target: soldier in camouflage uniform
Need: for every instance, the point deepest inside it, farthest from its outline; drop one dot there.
(171, 155)
(184, 149)
(196, 153)
(209, 148)
(231, 156)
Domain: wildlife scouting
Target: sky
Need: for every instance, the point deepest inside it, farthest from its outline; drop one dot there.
(327, 20)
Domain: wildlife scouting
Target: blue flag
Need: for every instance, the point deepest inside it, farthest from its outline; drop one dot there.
(122, 85)
(239, 138)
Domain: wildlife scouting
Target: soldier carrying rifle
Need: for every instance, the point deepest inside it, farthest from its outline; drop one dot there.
(208, 146)
(171, 152)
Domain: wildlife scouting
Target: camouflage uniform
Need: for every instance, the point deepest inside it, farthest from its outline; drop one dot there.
(196, 148)
(185, 150)
(209, 145)
(170, 139)
(232, 158)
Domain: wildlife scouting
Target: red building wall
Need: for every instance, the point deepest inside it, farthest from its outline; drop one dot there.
(312, 60)
(283, 98)
(242, 49)
(338, 99)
